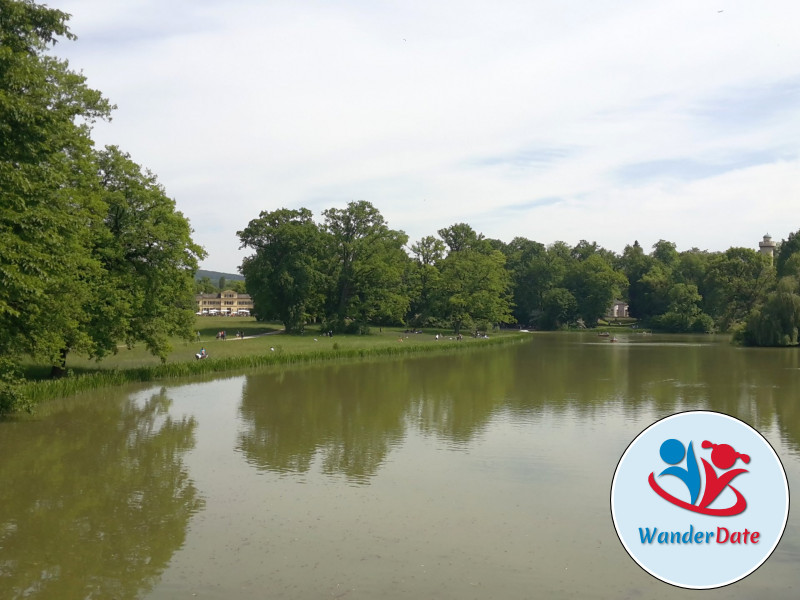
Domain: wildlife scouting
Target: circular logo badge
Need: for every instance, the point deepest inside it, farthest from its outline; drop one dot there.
(699, 499)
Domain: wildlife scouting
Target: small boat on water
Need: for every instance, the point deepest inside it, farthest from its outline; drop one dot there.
(613, 339)
(603, 334)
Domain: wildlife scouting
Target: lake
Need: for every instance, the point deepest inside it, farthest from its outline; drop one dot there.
(481, 474)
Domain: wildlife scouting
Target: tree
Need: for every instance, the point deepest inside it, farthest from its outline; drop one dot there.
(50, 197)
(665, 253)
(475, 285)
(736, 281)
(559, 308)
(684, 314)
(424, 280)
(647, 282)
(92, 252)
(595, 285)
(283, 276)
(692, 267)
(238, 286)
(776, 322)
(204, 286)
(788, 248)
(524, 261)
(148, 261)
(222, 283)
(460, 237)
(365, 265)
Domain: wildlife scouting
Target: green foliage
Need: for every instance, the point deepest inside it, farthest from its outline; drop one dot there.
(595, 285)
(691, 268)
(736, 281)
(684, 314)
(204, 286)
(148, 260)
(284, 276)
(559, 309)
(237, 286)
(788, 248)
(12, 398)
(365, 264)
(527, 263)
(51, 206)
(649, 280)
(475, 285)
(665, 252)
(423, 281)
(91, 250)
(776, 322)
(461, 237)
(695, 291)
(541, 277)
(349, 348)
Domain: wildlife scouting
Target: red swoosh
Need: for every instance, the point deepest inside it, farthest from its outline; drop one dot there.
(737, 508)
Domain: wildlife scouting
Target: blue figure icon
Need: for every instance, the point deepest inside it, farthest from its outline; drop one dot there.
(672, 452)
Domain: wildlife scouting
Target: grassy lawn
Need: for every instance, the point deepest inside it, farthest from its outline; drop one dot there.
(260, 338)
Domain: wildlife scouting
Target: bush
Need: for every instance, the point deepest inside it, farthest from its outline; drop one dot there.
(11, 397)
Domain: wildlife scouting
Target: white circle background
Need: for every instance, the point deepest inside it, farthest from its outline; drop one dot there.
(635, 505)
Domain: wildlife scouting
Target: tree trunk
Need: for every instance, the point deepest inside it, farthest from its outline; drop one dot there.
(60, 370)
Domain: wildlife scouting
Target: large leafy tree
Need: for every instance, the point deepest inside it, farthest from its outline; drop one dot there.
(527, 266)
(461, 236)
(365, 263)
(787, 249)
(595, 285)
(666, 288)
(775, 319)
(92, 252)
(684, 313)
(736, 281)
(559, 308)
(424, 280)
(648, 282)
(50, 195)
(775, 322)
(148, 261)
(284, 276)
(475, 285)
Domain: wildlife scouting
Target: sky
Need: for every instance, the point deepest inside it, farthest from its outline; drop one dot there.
(605, 120)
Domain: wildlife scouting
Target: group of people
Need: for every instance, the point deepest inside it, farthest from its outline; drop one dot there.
(221, 335)
(459, 337)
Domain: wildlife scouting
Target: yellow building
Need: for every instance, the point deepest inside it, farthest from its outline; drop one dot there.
(224, 303)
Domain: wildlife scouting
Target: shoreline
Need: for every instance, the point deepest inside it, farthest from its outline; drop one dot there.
(36, 392)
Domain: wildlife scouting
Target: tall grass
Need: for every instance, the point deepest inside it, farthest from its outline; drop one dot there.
(38, 391)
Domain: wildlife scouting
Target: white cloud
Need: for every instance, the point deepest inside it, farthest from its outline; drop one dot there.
(647, 120)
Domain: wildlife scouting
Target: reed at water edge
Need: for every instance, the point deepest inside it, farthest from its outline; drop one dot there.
(38, 391)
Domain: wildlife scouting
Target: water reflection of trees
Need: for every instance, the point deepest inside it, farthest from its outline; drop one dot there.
(348, 417)
(95, 500)
(660, 375)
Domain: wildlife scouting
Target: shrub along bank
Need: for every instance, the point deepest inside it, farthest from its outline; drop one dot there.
(266, 350)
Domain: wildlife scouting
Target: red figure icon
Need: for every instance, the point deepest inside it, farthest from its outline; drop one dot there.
(724, 457)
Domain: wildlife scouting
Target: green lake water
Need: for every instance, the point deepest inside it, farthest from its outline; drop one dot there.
(482, 474)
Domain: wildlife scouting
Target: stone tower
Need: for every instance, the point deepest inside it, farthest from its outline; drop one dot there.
(767, 247)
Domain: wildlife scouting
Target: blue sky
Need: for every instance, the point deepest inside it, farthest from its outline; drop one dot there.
(602, 120)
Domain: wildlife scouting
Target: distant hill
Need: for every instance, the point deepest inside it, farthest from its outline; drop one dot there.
(215, 275)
